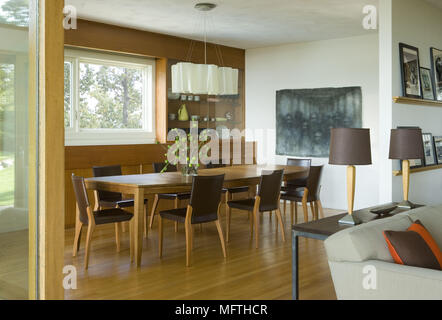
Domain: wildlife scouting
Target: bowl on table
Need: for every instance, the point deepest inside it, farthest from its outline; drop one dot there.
(383, 210)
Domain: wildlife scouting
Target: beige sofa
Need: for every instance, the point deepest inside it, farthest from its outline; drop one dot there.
(363, 249)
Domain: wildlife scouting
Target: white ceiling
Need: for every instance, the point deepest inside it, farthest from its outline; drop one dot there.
(238, 23)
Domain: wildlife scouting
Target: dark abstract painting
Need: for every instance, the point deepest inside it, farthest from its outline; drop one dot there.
(304, 118)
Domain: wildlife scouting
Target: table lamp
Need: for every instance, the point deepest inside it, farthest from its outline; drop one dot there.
(350, 147)
(406, 144)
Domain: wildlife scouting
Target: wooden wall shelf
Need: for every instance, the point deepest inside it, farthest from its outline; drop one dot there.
(422, 169)
(420, 102)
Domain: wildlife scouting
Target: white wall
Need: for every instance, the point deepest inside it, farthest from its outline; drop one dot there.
(385, 101)
(331, 63)
(417, 23)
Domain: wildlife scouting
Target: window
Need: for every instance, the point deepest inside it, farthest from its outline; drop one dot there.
(108, 99)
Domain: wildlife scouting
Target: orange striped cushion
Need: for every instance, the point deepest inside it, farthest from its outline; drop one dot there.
(397, 259)
(423, 232)
(414, 248)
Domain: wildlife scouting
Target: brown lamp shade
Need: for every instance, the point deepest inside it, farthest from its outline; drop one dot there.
(350, 147)
(406, 144)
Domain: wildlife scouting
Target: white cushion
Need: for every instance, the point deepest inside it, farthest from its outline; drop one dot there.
(366, 241)
(431, 218)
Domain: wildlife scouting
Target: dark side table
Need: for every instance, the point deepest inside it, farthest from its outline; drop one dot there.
(324, 228)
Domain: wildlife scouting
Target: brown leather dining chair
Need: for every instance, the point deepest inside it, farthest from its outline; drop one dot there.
(177, 197)
(267, 200)
(91, 219)
(106, 199)
(204, 207)
(309, 194)
(228, 192)
(302, 181)
(292, 185)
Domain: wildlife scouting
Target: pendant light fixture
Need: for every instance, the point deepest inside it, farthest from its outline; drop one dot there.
(210, 79)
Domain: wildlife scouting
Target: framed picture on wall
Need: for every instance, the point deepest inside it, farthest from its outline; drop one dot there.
(414, 163)
(436, 66)
(429, 153)
(410, 70)
(438, 149)
(427, 84)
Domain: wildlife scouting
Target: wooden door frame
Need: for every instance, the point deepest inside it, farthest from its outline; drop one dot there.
(46, 134)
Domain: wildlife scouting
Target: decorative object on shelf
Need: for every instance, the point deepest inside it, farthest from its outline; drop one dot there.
(195, 118)
(304, 118)
(204, 78)
(172, 116)
(190, 98)
(231, 98)
(410, 70)
(223, 132)
(206, 119)
(213, 120)
(221, 119)
(172, 96)
(350, 147)
(229, 116)
(428, 92)
(183, 98)
(429, 153)
(436, 66)
(406, 144)
(438, 149)
(183, 115)
(197, 98)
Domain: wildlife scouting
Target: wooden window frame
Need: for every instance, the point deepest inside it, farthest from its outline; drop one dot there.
(76, 136)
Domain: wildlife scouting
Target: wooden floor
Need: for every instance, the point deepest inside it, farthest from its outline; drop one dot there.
(247, 273)
(14, 265)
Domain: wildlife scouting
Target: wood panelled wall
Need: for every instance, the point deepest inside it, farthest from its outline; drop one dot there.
(110, 38)
(134, 159)
(94, 35)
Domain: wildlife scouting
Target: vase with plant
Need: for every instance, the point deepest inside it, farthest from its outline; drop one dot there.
(186, 150)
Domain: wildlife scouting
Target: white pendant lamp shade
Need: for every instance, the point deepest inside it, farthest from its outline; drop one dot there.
(191, 78)
(228, 81)
(208, 79)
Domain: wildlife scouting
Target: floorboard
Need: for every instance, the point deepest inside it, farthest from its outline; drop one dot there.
(14, 265)
(247, 273)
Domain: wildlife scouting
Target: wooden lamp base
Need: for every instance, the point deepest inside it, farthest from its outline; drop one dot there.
(350, 219)
(406, 185)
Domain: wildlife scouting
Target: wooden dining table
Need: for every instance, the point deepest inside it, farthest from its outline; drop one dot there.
(138, 186)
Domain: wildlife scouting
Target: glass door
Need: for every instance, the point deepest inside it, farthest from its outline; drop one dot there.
(14, 149)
